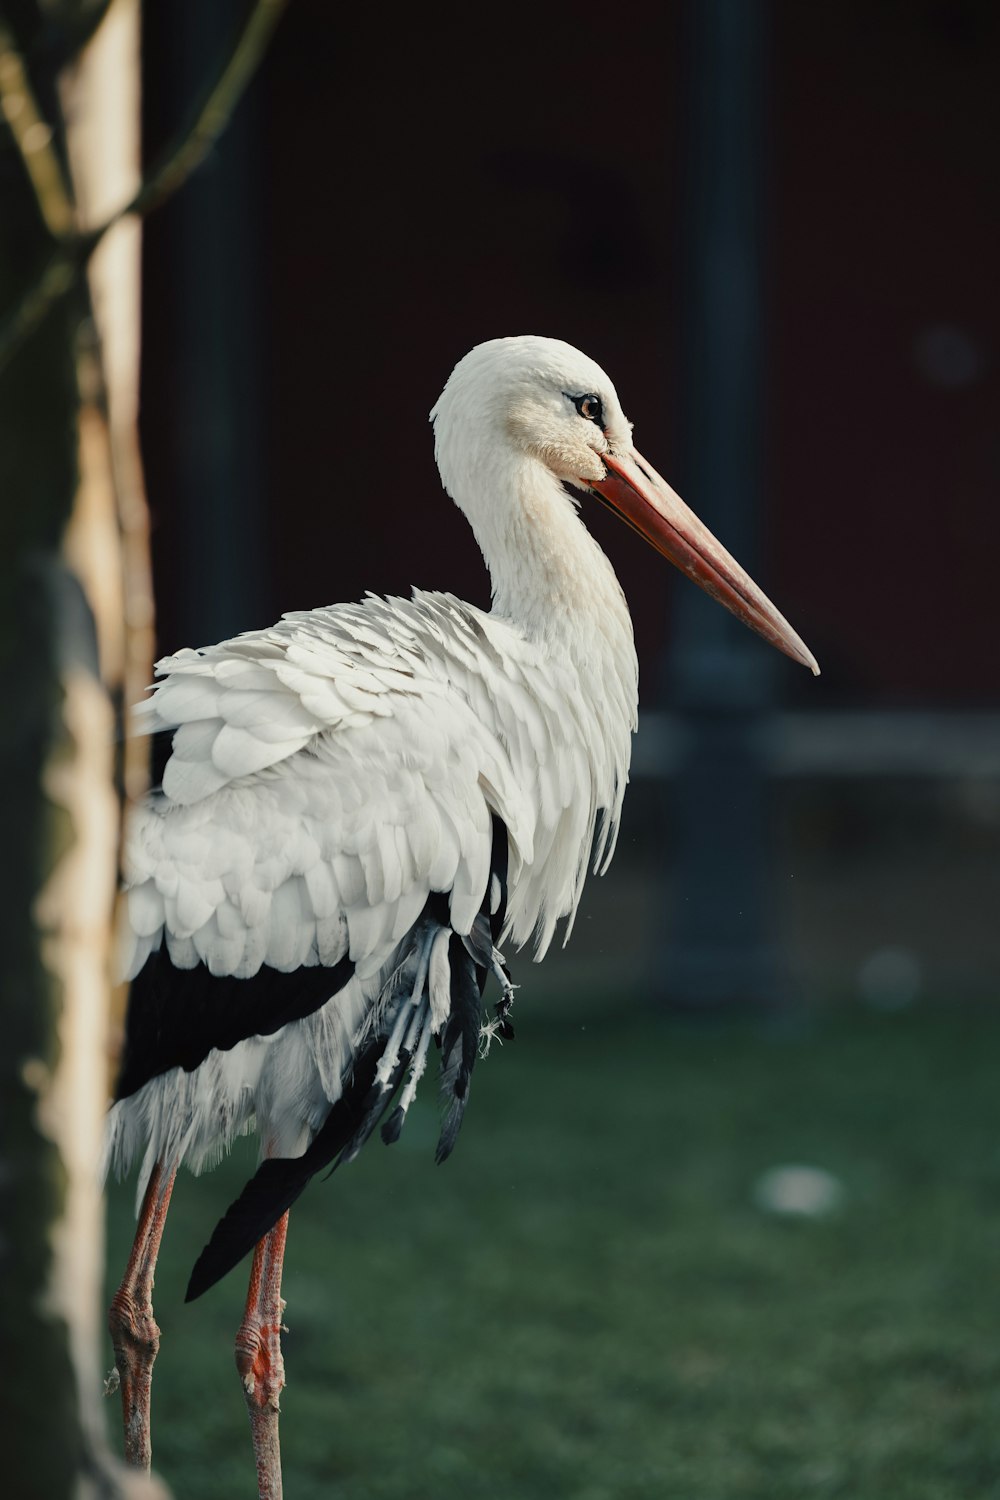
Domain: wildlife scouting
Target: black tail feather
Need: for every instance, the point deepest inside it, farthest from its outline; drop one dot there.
(269, 1193)
(393, 1127)
(379, 1099)
(353, 1118)
(279, 1180)
(499, 860)
(478, 942)
(460, 1044)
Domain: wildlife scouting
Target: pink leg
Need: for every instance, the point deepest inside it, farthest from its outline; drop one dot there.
(133, 1328)
(258, 1357)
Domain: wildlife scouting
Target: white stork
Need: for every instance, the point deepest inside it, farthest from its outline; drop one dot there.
(360, 805)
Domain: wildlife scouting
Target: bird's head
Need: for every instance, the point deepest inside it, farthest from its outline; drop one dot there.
(533, 396)
(539, 398)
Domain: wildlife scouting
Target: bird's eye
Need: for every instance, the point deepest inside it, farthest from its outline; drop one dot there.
(590, 407)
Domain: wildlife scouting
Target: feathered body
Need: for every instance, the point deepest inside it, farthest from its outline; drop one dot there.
(358, 806)
(329, 776)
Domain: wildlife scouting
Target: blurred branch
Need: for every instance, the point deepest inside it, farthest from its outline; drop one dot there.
(33, 138)
(209, 116)
(206, 122)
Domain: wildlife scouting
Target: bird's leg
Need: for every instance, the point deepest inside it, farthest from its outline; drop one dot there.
(258, 1357)
(133, 1328)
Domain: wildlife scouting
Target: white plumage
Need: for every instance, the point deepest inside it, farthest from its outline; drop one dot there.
(329, 773)
(326, 776)
(375, 789)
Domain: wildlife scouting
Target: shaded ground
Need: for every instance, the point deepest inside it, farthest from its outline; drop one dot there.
(586, 1302)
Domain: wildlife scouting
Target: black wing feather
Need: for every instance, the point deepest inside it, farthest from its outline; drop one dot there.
(460, 1044)
(352, 1119)
(499, 860)
(177, 1016)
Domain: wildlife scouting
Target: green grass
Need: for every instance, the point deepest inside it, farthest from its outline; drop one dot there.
(586, 1303)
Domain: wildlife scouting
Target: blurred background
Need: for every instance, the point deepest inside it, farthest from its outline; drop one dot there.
(776, 227)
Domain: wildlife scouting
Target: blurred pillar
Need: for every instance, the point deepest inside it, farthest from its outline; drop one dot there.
(720, 678)
(209, 244)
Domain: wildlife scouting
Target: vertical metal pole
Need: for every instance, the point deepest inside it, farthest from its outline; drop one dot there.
(719, 676)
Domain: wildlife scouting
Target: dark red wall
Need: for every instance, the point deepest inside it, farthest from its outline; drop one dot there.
(886, 436)
(424, 186)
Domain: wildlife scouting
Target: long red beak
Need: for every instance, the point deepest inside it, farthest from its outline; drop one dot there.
(641, 497)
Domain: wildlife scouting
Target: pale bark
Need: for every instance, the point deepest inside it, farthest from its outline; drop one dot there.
(76, 630)
(69, 468)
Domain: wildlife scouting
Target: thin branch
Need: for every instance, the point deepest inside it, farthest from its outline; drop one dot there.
(208, 119)
(184, 155)
(33, 138)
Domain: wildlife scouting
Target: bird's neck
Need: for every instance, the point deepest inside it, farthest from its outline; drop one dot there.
(548, 575)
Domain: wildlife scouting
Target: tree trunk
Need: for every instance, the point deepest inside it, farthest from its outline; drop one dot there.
(75, 627)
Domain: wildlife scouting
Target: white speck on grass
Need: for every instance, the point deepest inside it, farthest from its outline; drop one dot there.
(804, 1191)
